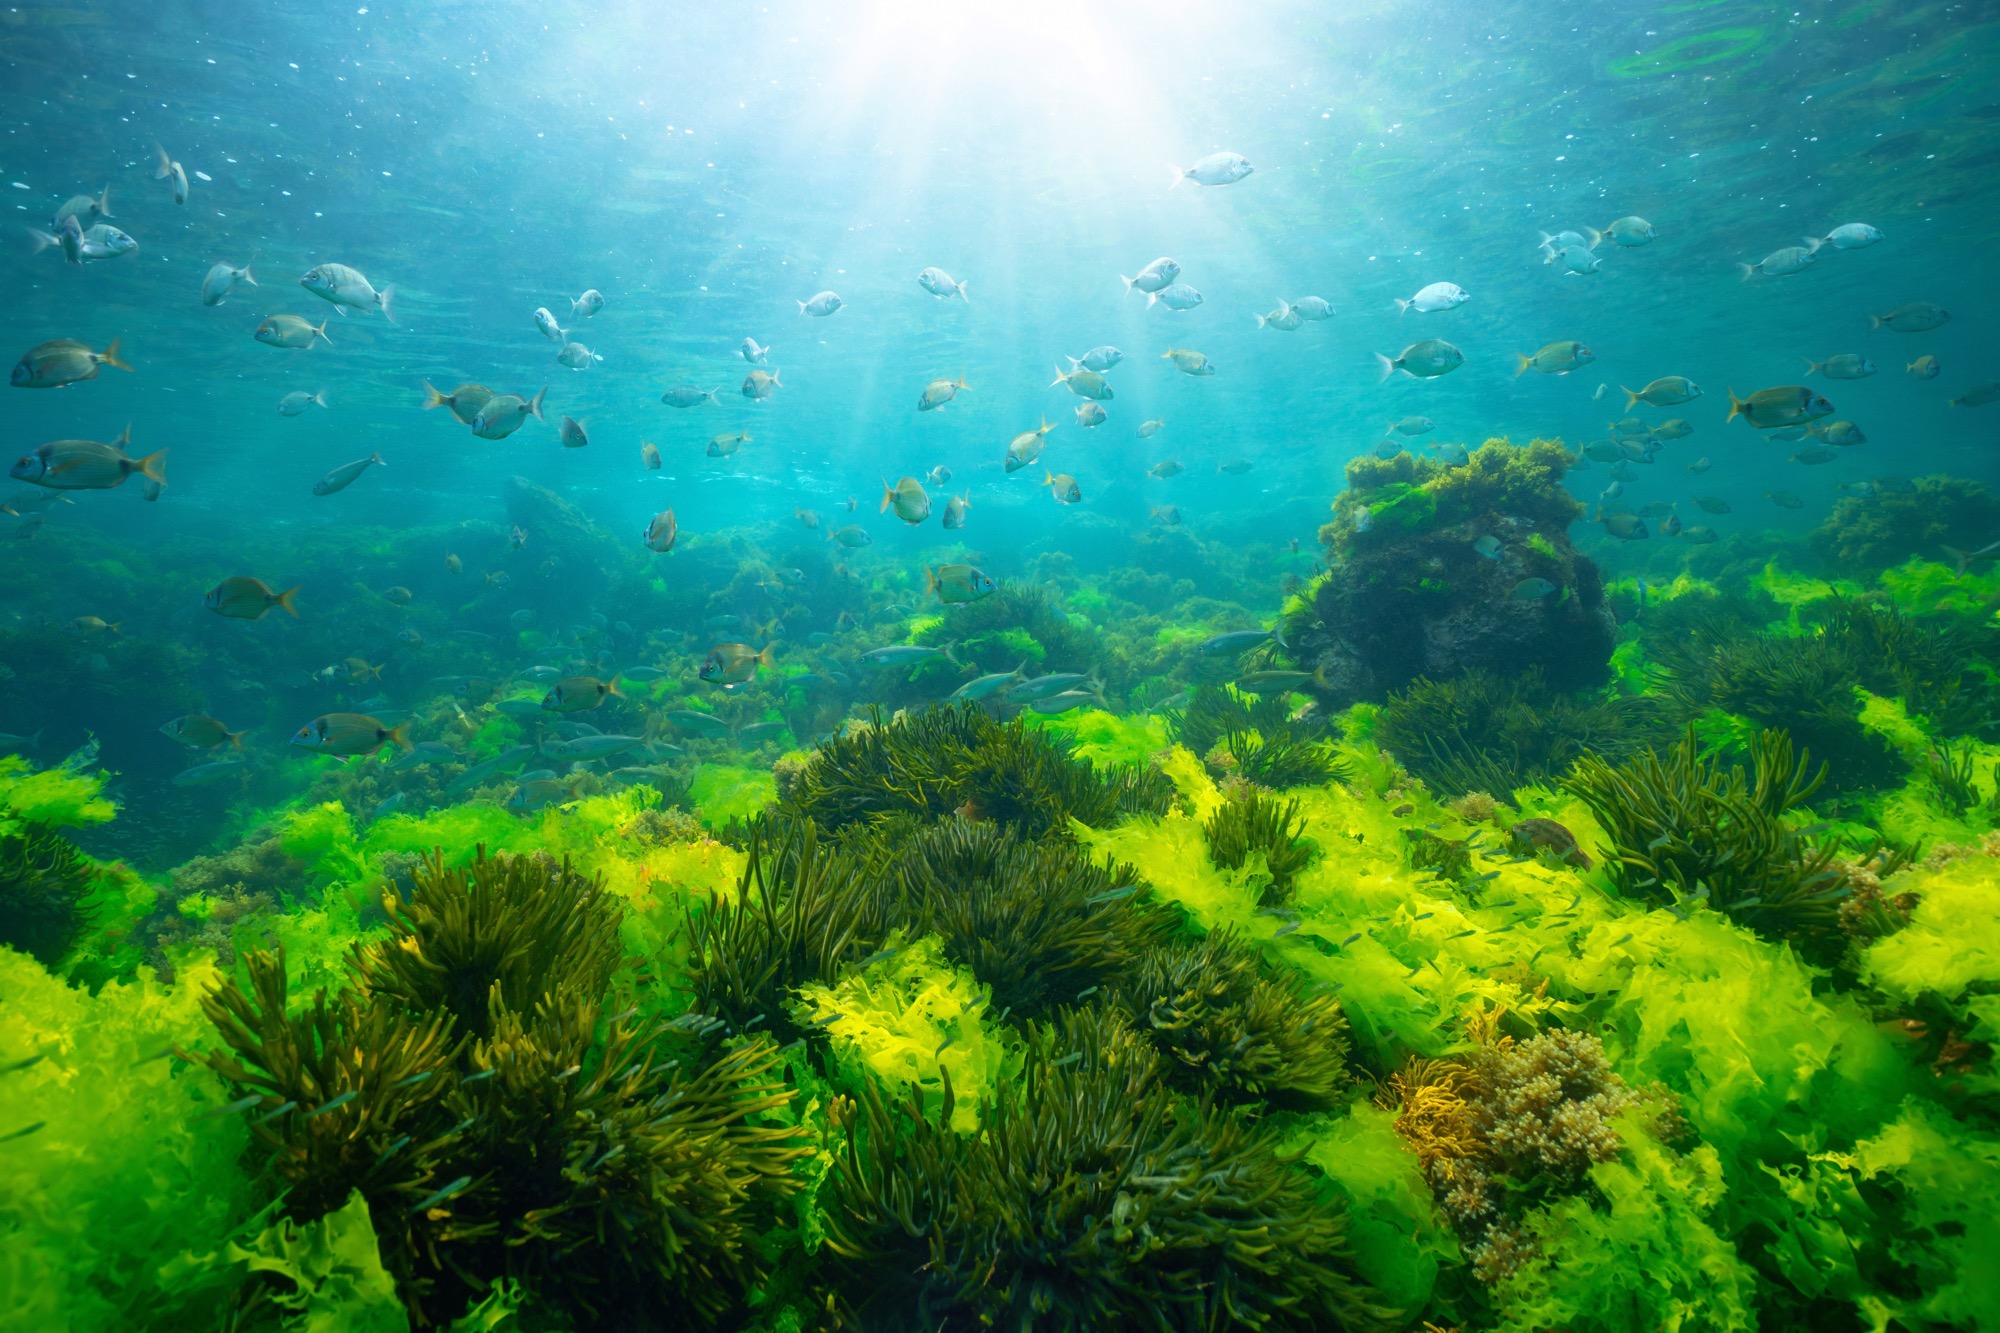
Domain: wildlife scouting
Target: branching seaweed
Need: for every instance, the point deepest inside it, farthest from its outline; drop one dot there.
(1254, 821)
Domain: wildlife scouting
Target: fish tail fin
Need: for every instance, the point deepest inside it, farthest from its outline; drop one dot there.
(1963, 558)
(41, 239)
(235, 738)
(399, 735)
(320, 332)
(930, 580)
(153, 466)
(377, 460)
(888, 496)
(1745, 269)
(713, 399)
(1813, 243)
(1596, 237)
(384, 298)
(432, 398)
(124, 436)
(611, 687)
(1814, 367)
(104, 201)
(1179, 175)
(1261, 321)
(1046, 426)
(1631, 399)
(946, 650)
(1736, 406)
(166, 167)
(1874, 323)
(1386, 366)
(960, 384)
(1152, 298)
(1521, 364)
(111, 357)
(1402, 306)
(288, 600)
(320, 397)
(769, 654)
(535, 404)
(961, 294)
(1061, 375)
(1048, 477)
(247, 276)
(802, 307)
(1128, 283)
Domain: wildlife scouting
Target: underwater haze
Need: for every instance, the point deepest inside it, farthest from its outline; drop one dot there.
(1050, 665)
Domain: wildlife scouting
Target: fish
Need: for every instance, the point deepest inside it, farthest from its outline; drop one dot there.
(86, 465)
(1788, 405)
(504, 413)
(1090, 414)
(1848, 236)
(1229, 643)
(1630, 231)
(1273, 682)
(550, 327)
(1916, 317)
(1673, 428)
(1784, 499)
(465, 401)
(1215, 169)
(1062, 486)
(1160, 273)
(954, 510)
(820, 305)
(80, 246)
(1101, 359)
(686, 395)
(1284, 319)
(585, 748)
(1711, 504)
(1531, 590)
(1700, 465)
(1313, 307)
(85, 208)
(661, 532)
(1176, 296)
(1842, 433)
(575, 694)
(1048, 686)
(91, 627)
(759, 385)
(1026, 447)
(343, 476)
(586, 305)
(202, 774)
(345, 286)
(721, 446)
(1779, 263)
(698, 723)
(1063, 703)
(985, 687)
(298, 402)
(957, 584)
(453, 563)
(1625, 527)
(1188, 362)
(1699, 535)
(939, 392)
(1235, 467)
(1576, 260)
(1414, 426)
(1434, 297)
(346, 735)
(12, 742)
(1148, 429)
(1489, 546)
(1551, 246)
(852, 536)
(642, 674)
(649, 456)
(221, 279)
(1845, 366)
(202, 733)
(734, 663)
(576, 356)
(1422, 360)
(1163, 470)
(1558, 358)
(938, 476)
(1791, 434)
(61, 361)
(1666, 391)
(1979, 395)
(908, 498)
(941, 284)
(1923, 368)
(571, 433)
(1813, 454)
(539, 794)
(292, 332)
(173, 173)
(1084, 383)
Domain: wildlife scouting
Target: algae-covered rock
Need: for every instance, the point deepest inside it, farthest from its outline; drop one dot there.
(557, 527)
(1417, 589)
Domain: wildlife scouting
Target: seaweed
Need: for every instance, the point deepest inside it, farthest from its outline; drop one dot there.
(1093, 1197)
(498, 1126)
(955, 756)
(1260, 739)
(1681, 828)
(1863, 535)
(1251, 821)
(1231, 1030)
(45, 886)
(1483, 732)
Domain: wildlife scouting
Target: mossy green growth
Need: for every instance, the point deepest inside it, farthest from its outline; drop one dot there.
(1793, 591)
(117, 1157)
(1924, 587)
(1108, 738)
(1952, 942)
(721, 792)
(53, 797)
(1543, 546)
(913, 1020)
(1399, 505)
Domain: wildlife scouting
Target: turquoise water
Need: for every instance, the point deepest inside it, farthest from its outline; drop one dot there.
(707, 171)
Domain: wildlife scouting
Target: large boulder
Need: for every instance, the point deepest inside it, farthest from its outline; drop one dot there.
(1412, 593)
